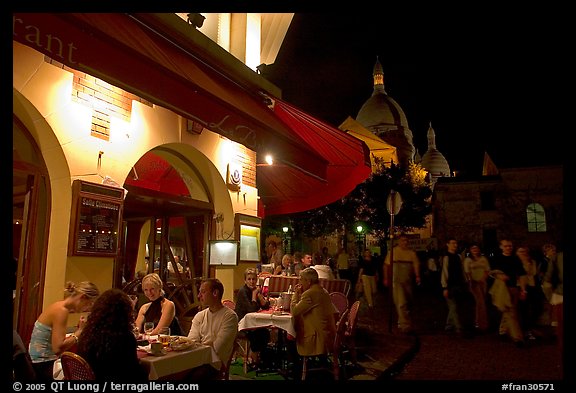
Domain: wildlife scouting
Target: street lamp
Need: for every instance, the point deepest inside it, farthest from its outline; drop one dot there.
(360, 232)
(286, 240)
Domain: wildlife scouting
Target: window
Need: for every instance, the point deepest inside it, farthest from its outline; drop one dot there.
(536, 218)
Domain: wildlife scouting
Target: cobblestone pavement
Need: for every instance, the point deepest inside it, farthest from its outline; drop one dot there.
(441, 356)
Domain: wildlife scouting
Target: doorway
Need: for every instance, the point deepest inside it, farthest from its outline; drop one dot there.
(30, 223)
(158, 208)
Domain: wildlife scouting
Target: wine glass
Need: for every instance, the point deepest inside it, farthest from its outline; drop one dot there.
(148, 327)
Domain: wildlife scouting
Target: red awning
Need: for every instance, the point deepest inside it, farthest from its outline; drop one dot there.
(284, 190)
(140, 57)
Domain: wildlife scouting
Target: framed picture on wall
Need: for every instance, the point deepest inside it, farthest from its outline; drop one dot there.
(224, 252)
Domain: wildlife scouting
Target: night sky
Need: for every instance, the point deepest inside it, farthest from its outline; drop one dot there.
(487, 81)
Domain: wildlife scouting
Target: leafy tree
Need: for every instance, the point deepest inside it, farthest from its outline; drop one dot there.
(367, 203)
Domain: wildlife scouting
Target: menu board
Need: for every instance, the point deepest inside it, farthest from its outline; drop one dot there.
(95, 224)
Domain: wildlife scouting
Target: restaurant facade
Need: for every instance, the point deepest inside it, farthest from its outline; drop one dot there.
(138, 137)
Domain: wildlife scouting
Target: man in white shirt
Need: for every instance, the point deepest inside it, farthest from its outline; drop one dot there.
(216, 325)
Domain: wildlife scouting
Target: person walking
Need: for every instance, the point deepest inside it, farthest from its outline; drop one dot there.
(477, 269)
(367, 274)
(405, 270)
(509, 286)
(531, 308)
(554, 283)
(455, 291)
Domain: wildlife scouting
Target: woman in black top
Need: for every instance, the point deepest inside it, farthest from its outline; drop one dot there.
(250, 299)
(159, 310)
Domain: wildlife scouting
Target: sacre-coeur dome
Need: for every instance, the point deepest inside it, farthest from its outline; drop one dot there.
(384, 117)
(381, 110)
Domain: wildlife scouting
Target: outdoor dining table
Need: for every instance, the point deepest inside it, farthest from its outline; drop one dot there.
(174, 363)
(268, 318)
(282, 321)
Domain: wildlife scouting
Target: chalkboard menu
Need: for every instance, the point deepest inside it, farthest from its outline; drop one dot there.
(95, 219)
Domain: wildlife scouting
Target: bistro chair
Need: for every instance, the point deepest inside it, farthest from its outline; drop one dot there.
(242, 344)
(225, 368)
(333, 355)
(349, 340)
(229, 303)
(75, 367)
(340, 301)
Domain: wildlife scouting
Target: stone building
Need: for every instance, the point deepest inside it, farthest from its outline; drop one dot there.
(522, 204)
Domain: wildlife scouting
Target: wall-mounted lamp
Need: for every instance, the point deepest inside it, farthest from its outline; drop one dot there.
(261, 69)
(269, 159)
(196, 20)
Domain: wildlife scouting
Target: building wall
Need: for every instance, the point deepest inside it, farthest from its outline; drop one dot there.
(64, 119)
(458, 210)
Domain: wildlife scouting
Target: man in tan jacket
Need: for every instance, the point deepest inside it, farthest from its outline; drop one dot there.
(313, 314)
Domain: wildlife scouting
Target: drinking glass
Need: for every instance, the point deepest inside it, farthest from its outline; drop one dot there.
(134, 300)
(164, 336)
(148, 327)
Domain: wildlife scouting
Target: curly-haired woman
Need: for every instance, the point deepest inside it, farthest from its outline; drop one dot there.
(108, 343)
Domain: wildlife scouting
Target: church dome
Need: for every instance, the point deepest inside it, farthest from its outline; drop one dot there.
(433, 161)
(380, 111)
(384, 117)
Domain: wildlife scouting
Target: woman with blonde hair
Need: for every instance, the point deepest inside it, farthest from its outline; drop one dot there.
(286, 268)
(49, 338)
(160, 311)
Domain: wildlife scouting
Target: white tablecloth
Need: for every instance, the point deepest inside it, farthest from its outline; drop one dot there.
(177, 361)
(255, 320)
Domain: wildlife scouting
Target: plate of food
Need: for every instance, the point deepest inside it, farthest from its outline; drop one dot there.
(182, 343)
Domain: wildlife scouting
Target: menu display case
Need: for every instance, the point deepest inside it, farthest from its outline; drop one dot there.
(95, 219)
(247, 229)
